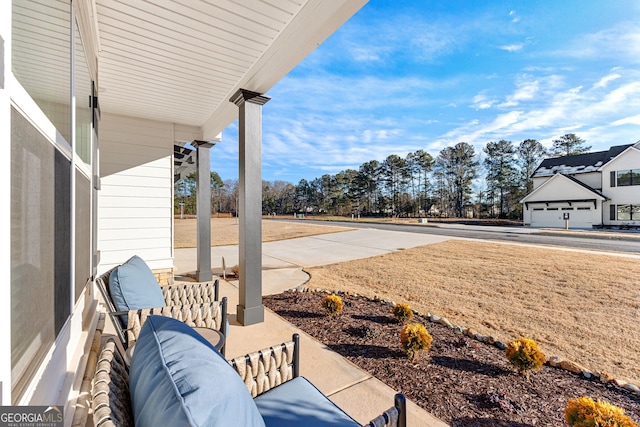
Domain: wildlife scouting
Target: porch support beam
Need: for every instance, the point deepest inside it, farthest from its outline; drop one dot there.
(250, 309)
(203, 209)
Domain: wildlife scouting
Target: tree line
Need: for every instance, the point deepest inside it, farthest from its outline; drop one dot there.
(458, 182)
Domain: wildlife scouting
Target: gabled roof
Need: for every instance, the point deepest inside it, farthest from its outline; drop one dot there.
(582, 184)
(535, 195)
(634, 148)
(579, 163)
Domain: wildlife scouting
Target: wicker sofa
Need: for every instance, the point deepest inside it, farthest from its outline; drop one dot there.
(196, 304)
(271, 376)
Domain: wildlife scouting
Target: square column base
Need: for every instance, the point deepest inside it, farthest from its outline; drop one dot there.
(204, 276)
(249, 316)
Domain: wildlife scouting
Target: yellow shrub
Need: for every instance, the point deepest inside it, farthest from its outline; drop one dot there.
(402, 312)
(332, 304)
(585, 412)
(415, 338)
(525, 355)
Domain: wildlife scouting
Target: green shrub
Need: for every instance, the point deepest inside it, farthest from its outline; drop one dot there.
(585, 412)
(402, 312)
(332, 304)
(525, 355)
(414, 339)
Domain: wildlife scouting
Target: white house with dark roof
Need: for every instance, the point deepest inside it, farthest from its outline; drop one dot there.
(591, 190)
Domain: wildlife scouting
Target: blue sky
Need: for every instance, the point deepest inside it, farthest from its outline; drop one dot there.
(407, 75)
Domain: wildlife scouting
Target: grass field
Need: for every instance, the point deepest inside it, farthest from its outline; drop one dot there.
(224, 231)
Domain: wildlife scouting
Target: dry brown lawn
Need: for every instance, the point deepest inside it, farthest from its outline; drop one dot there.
(224, 231)
(580, 306)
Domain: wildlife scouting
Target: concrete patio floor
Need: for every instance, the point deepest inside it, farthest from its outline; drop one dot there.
(354, 390)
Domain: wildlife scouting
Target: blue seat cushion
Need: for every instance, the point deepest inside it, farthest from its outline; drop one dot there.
(177, 378)
(300, 403)
(132, 286)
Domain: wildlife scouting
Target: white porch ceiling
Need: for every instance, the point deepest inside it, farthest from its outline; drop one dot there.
(181, 60)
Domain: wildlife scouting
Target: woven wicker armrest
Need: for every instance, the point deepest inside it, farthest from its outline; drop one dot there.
(264, 369)
(191, 293)
(212, 315)
(110, 399)
(181, 295)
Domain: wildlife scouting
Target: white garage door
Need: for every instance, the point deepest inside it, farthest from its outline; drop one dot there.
(553, 218)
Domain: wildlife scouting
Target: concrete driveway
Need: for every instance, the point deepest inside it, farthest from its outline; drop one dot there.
(283, 261)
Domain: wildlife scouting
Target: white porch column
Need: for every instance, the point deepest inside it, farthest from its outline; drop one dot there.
(203, 209)
(250, 309)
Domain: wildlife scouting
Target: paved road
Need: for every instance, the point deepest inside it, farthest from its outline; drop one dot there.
(509, 234)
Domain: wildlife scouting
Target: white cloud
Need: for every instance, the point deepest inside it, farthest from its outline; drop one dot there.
(485, 105)
(603, 82)
(548, 108)
(365, 54)
(332, 133)
(512, 47)
(482, 102)
(622, 42)
(632, 120)
(397, 36)
(526, 90)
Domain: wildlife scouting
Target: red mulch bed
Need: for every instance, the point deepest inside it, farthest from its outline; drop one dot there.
(460, 380)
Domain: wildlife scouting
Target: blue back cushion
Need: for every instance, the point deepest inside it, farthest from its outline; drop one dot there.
(133, 286)
(178, 379)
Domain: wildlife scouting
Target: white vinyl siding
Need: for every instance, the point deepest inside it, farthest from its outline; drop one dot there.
(592, 179)
(136, 198)
(621, 194)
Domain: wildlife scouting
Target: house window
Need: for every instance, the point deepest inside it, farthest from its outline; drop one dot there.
(628, 177)
(538, 209)
(42, 295)
(628, 212)
(584, 208)
(624, 212)
(567, 209)
(552, 209)
(41, 57)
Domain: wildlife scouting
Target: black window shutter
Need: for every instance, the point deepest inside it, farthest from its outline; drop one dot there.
(612, 212)
(613, 179)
